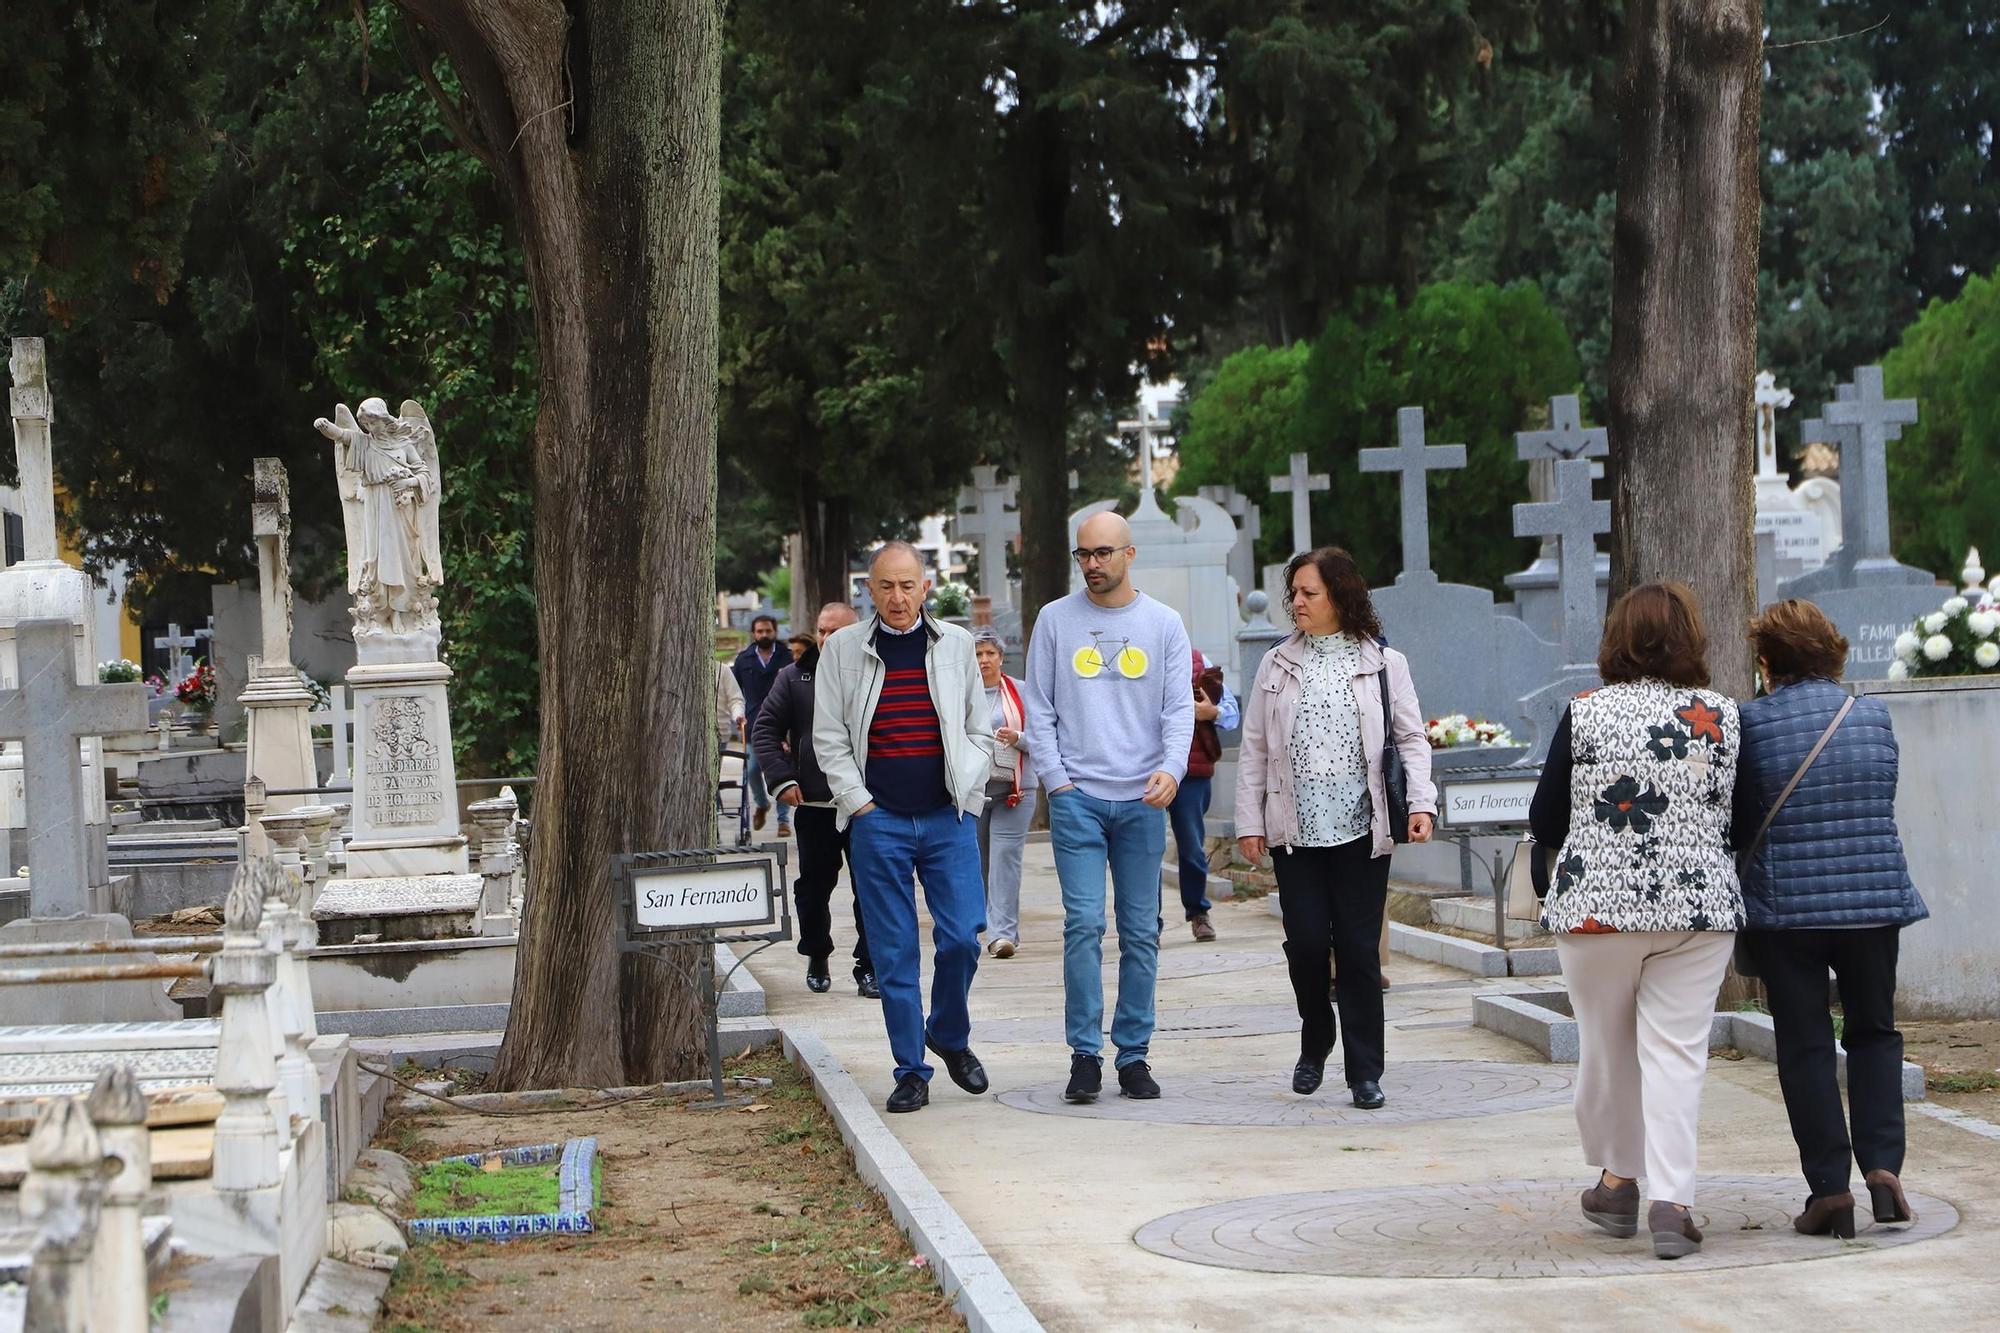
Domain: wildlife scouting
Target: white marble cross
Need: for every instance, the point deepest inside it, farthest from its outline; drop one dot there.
(337, 716)
(990, 526)
(1413, 458)
(50, 714)
(1873, 421)
(176, 644)
(1574, 519)
(1769, 398)
(271, 524)
(33, 411)
(1148, 429)
(1300, 483)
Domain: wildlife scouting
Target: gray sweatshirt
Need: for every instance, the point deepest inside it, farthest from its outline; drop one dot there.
(1103, 721)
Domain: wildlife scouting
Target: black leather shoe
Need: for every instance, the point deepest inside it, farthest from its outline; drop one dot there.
(1136, 1081)
(865, 987)
(1086, 1078)
(963, 1066)
(1368, 1094)
(818, 980)
(911, 1094)
(1307, 1075)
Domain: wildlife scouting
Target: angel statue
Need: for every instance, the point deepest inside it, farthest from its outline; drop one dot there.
(390, 487)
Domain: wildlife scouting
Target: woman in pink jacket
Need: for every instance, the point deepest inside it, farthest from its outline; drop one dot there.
(1309, 788)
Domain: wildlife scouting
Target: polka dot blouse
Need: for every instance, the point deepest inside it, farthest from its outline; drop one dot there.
(1329, 767)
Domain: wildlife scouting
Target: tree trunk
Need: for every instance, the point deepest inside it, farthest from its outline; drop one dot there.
(602, 120)
(1684, 313)
(826, 541)
(1040, 169)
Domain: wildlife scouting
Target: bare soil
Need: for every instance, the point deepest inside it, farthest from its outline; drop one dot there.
(1957, 1058)
(744, 1220)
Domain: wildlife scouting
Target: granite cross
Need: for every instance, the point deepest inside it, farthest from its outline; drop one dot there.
(1566, 437)
(1769, 398)
(49, 713)
(1300, 484)
(271, 524)
(1249, 527)
(1412, 457)
(1574, 519)
(32, 410)
(1147, 427)
(1875, 421)
(989, 526)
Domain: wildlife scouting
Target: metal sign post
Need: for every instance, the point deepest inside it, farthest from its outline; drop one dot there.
(1485, 802)
(676, 900)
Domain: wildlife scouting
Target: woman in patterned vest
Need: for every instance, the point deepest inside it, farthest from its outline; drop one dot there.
(1644, 903)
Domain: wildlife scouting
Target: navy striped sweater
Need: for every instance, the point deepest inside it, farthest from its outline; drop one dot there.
(906, 773)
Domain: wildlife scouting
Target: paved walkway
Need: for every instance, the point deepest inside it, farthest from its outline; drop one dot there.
(1166, 1215)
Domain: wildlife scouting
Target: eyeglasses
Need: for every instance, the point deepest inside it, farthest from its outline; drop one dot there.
(1094, 555)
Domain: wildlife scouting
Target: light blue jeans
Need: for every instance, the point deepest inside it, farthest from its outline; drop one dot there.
(1127, 839)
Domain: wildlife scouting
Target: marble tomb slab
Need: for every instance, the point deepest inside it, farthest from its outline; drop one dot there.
(412, 907)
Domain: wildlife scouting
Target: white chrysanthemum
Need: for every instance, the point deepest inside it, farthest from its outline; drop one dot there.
(1908, 645)
(1899, 670)
(1937, 647)
(1983, 623)
(1987, 655)
(1934, 622)
(1953, 606)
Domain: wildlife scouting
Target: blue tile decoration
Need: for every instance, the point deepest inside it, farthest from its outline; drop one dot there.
(575, 1196)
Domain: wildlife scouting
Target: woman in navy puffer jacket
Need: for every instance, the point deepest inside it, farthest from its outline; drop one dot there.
(1826, 888)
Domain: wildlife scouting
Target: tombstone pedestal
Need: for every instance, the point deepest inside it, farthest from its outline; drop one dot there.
(405, 783)
(280, 735)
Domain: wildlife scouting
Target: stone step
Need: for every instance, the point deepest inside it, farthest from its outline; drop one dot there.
(1477, 914)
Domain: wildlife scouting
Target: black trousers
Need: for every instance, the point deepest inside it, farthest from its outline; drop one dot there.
(1332, 899)
(822, 847)
(1794, 964)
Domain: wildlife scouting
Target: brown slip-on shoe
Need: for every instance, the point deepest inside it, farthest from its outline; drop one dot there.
(1203, 931)
(1615, 1208)
(1675, 1235)
(1885, 1192)
(1830, 1214)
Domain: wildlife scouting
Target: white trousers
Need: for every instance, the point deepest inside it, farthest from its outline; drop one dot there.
(1644, 1004)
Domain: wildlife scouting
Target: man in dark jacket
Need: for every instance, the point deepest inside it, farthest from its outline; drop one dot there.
(782, 741)
(756, 669)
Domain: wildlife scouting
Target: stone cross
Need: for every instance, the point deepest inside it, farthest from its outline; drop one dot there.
(1845, 441)
(1769, 398)
(990, 526)
(271, 524)
(49, 714)
(1148, 429)
(337, 716)
(1299, 484)
(1566, 437)
(1412, 457)
(32, 409)
(1574, 519)
(1874, 421)
(176, 643)
(1249, 527)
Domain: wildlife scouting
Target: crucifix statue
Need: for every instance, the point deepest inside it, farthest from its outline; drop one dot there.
(271, 525)
(1148, 428)
(1300, 483)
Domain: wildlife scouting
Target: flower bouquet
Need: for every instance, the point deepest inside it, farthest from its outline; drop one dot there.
(951, 600)
(1954, 640)
(119, 672)
(1456, 729)
(196, 691)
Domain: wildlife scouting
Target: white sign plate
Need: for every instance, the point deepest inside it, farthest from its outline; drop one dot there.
(730, 893)
(1491, 801)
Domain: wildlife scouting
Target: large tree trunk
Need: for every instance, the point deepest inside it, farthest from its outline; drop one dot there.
(1684, 312)
(1039, 166)
(826, 540)
(602, 119)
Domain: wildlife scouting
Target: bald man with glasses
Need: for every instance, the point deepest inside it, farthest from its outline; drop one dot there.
(1110, 721)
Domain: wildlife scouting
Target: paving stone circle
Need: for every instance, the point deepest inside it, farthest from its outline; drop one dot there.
(1506, 1229)
(1228, 1020)
(1417, 1090)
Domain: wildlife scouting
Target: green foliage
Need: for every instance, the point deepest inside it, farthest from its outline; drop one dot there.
(951, 599)
(1241, 429)
(776, 587)
(1944, 473)
(460, 1189)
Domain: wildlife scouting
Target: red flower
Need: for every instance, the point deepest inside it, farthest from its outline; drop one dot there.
(1704, 723)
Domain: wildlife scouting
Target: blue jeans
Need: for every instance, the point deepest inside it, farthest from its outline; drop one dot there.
(1189, 809)
(942, 848)
(753, 781)
(1127, 838)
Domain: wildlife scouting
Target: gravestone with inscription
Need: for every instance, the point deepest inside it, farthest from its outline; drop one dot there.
(405, 817)
(1863, 589)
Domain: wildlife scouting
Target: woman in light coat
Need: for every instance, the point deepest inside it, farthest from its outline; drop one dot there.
(1010, 798)
(1310, 790)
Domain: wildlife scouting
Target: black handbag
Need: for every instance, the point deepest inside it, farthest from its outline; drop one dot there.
(1395, 782)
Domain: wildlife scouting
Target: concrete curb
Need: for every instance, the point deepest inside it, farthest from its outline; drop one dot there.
(967, 1273)
(1552, 1031)
(742, 995)
(1482, 960)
